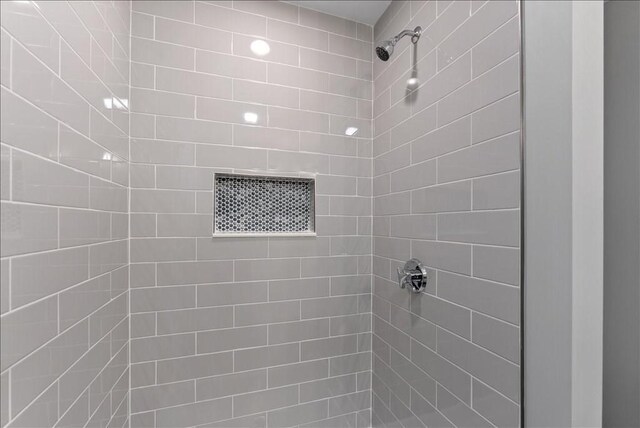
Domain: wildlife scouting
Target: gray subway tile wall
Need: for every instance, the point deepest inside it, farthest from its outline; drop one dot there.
(249, 331)
(119, 308)
(65, 186)
(446, 190)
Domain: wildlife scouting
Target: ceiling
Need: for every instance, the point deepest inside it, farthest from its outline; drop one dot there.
(367, 12)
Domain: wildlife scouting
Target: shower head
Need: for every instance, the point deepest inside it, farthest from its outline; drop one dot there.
(385, 49)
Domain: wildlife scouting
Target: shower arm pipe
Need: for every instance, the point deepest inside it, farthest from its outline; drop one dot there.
(415, 35)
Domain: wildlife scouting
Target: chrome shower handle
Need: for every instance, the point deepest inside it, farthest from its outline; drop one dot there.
(413, 274)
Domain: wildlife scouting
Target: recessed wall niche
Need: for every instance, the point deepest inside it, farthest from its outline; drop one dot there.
(263, 205)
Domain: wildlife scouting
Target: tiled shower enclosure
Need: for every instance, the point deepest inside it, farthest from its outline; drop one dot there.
(122, 307)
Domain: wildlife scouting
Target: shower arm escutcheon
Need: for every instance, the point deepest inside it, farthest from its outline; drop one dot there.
(414, 274)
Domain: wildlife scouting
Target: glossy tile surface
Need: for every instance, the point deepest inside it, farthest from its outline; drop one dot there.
(271, 314)
(258, 332)
(446, 190)
(65, 168)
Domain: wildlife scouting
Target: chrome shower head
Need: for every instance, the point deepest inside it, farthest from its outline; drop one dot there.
(385, 49)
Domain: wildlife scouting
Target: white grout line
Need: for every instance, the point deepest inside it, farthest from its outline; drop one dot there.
(129, 194)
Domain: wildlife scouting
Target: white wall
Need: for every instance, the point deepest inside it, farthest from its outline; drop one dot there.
(563, 213)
